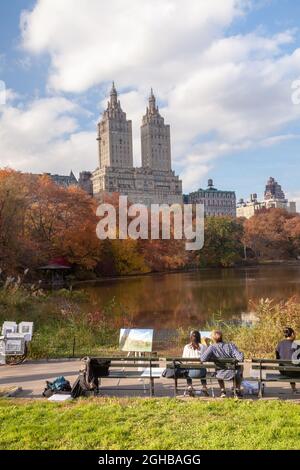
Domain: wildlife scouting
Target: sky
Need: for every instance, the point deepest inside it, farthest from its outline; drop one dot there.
(222, 72)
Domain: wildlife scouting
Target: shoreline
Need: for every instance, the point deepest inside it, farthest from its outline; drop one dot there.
(288, 263)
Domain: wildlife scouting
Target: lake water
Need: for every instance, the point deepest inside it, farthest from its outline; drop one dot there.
(190, 299)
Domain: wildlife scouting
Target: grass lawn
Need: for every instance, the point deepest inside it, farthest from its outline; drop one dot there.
(165, 424)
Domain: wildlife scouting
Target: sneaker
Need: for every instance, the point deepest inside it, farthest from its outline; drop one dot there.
(223, 394)
(238, 394)
(205, 392)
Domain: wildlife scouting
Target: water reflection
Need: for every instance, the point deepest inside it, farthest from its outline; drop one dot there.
(186, 299)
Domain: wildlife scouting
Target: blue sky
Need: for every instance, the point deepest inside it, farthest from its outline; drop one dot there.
(222, 73)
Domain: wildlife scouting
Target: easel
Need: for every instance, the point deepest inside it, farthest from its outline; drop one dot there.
(136, 354)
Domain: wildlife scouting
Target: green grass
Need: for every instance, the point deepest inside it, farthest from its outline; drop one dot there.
(160, 424)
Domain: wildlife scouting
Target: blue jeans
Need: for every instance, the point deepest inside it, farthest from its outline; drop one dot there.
(197, 374)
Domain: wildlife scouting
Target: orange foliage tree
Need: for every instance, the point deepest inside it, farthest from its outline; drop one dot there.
(39, 220)
(62, 221)
(273, 234)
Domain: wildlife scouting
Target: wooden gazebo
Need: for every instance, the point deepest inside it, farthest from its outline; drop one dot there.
(56, 271)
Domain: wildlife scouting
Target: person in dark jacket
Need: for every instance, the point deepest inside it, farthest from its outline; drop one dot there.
(222, 350)
(286, 350)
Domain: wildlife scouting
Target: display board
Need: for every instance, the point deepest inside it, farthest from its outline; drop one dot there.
(136, 340)
(26, 329)
(2, 351)
(9, 327)
(205, 335)
(14, 345)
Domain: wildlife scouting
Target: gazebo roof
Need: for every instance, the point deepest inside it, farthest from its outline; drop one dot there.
(58, 263)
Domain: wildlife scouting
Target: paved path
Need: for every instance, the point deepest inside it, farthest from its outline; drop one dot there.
(31, 376)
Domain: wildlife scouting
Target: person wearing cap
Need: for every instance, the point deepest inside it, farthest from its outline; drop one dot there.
(193, 350)
(285, 350)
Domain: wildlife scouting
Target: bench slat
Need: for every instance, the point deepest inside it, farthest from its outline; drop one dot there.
(281, 378)
(200, 366)
(123, 375)
(272, 361)
(282, 368)
(131, 366)
(127, 358)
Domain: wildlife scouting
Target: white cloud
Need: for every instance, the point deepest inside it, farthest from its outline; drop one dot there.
(44, 136)
(222, 94)
(126, 40)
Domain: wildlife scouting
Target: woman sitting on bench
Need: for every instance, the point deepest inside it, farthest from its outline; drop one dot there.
(285, 351)
(193, 350)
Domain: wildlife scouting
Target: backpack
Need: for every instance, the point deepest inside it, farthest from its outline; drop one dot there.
(95, 369)
(88, 379)
(59, 385)
(80, 387)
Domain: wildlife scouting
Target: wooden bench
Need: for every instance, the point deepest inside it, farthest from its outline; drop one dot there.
(182, 364)
(123, 367)
(263, 366)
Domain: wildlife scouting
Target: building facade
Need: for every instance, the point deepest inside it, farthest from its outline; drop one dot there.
(273, 191)
(115, 136)
(248, 209)
(63, 180)
(155, 138)
(274, 198)
(85, 182)
(215, 201)
(152, 183)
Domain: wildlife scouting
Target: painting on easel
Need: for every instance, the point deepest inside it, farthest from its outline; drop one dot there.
(136, 340)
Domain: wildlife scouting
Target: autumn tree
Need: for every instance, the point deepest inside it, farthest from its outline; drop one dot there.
(267, 234)
(62, 221)
(292, 227)
(16, 250)
(40, 220)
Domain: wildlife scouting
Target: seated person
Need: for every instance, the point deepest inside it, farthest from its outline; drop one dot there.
(193, 350)
(221, 350)
(285, 350)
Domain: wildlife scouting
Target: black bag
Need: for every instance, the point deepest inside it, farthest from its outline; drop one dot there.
(88, 379)
(176, 372)
(98, 368)
(94, 370)
(80, 387)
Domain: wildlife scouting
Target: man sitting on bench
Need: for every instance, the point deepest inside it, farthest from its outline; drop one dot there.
(221, 350)
(285, 351)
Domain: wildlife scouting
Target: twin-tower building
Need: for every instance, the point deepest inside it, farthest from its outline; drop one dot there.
(154, 182)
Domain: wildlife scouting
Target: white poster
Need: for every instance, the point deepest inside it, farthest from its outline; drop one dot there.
(9, 327)
(136, 340)
(206, 337)
(2, 351)
(26, 328)
(14, 346)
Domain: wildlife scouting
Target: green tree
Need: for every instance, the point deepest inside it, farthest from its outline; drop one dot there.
(222, 243)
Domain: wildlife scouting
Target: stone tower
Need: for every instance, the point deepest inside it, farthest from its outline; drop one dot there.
(155, 137)
(115, 135)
